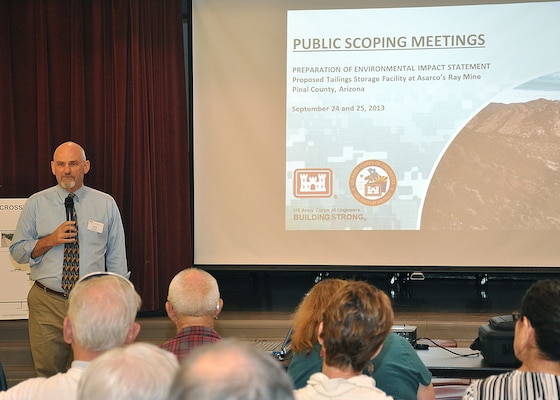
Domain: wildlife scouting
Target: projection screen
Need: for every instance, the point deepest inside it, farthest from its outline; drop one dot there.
(374, 134)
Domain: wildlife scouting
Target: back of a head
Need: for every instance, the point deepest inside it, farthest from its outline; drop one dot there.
(309, 313)
(102, 309)
(541, 305)
(231, 370)
(194, 292)
(355, 325)
(140, 371)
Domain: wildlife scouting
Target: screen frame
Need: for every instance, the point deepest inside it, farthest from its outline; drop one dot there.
(313, 267)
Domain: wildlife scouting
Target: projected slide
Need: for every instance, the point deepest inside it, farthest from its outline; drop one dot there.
(373, 134)
(423, 118)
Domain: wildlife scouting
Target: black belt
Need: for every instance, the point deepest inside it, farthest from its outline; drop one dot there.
(49, 290)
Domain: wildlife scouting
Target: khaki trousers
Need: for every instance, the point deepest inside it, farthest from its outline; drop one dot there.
(46, 315)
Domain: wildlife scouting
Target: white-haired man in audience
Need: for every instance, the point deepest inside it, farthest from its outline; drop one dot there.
(231, 370)
(140, 371)
(102, 309)
(193, 303)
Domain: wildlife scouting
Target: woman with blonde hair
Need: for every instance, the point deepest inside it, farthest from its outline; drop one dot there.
(305, 345)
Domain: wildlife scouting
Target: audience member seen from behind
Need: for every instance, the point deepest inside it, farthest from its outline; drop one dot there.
(354, 326)
(399, 372)
(397, 369)
(101, 316)
(193, 303)
(41, 234)
(536, 344)
(231, 370)
(306, 359)
(140, 371)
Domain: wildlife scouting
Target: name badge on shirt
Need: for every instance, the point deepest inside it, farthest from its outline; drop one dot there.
(95, 226)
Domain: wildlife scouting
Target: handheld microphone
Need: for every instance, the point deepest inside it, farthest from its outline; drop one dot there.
(69, 204)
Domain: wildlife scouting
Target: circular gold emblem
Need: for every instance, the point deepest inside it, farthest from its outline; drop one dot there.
(373, 182)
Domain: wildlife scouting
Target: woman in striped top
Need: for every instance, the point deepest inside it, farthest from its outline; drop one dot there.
(536, 344)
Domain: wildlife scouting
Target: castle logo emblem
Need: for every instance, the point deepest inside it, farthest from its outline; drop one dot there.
(313, 182)
(373, 182)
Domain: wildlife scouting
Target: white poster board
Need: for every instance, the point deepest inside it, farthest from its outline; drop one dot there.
(14, 277)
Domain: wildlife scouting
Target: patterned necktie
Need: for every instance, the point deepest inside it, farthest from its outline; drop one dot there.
(71, 260)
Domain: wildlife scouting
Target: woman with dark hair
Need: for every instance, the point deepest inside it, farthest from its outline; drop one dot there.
(536, 344)
(397, 369)
(353, 328)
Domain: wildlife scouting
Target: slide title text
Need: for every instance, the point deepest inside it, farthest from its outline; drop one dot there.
(389, 43)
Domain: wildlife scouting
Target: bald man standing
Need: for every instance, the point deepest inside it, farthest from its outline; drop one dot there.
(43, 230)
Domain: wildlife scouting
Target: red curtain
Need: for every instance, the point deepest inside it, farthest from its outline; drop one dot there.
(110, 75)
